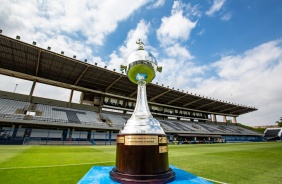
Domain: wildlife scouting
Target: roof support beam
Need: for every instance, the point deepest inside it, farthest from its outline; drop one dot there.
(151, 99)
(205, 105)
(192, 102)
(38, 62)
(177, 99)
(133, 93)
(70, 98)
(76, 82)
(236, 111)
(31, 91)
(219, 106)
(109, 87)
(229, 109)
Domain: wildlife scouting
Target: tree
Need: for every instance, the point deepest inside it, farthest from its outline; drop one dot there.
(279, 123)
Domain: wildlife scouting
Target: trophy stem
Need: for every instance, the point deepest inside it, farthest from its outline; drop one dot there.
(142, 121)
(141, 108)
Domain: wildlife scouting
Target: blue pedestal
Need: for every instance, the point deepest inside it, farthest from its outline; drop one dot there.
(100, 175)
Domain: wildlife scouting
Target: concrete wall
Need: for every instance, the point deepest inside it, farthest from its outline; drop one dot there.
(13, 96)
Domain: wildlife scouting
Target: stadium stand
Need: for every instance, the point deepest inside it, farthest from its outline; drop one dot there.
(107, 99)
(14, 109)
(21, 110)
(273, 134)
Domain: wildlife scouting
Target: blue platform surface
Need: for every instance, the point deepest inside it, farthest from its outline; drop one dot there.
(100, 175)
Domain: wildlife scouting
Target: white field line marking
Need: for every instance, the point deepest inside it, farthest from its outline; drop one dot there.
(213, 180)
(46, 166)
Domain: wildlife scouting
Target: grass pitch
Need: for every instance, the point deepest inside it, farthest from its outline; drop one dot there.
(228, 163)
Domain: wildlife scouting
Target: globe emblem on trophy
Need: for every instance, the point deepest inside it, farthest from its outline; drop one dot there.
(142, 146)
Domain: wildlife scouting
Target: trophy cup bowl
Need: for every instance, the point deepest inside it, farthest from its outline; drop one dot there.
(143, 62)
(142, 146)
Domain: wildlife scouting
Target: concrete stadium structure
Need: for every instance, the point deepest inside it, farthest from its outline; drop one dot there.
(107, 100)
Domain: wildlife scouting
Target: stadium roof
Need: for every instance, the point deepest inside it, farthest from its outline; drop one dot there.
(26, 61)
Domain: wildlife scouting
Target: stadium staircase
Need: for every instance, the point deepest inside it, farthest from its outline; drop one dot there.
(106, 120)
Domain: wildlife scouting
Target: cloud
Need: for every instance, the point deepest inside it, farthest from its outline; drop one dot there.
(115, 61)
(187, 9)
(96, 21)
(259, 59)
(226, 16)
(140, 32)
(217, 5)
(178, 73)
(175, 28)
(251, 78)
(178, 51)
(201, 32)
(87, 21)
(157, 4)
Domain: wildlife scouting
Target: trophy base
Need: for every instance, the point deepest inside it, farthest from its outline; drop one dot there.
(128, 178)
(142, 158)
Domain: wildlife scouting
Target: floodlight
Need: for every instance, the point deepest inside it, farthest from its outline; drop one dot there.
(62, 52)
(74, 56)
(0, 31)
(49, 48)
(96, 64)
(105, 66)
(85, 60)
(114, 69)
(18, 37)
(33, 43)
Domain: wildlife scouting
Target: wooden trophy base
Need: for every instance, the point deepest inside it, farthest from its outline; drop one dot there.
(142, 158)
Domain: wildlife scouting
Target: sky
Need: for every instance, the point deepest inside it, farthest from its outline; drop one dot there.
(224, 49)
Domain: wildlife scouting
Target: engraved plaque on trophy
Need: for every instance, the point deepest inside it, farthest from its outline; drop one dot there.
(142, 145)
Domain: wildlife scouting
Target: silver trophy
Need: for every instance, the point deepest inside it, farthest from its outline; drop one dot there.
(142, 146)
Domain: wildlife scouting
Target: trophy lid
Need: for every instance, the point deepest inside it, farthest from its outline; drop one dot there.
(141, 55)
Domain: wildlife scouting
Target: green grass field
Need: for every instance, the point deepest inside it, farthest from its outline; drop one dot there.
(228, 163)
